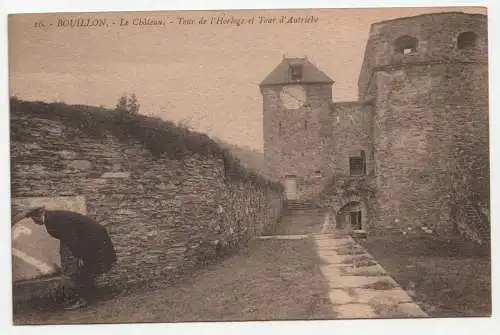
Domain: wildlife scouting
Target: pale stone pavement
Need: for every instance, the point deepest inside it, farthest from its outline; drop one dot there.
(359, 286)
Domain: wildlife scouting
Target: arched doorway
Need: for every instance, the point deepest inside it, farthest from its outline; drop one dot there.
(351, 216)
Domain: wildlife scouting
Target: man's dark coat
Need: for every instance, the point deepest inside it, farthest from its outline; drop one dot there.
(87, 239)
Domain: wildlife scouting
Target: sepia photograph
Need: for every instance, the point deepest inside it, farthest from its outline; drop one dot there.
(249, 165)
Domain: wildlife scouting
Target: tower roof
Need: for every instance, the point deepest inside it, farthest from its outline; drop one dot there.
(283, 73)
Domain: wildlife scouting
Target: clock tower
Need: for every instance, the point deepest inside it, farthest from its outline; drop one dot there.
(297, 98)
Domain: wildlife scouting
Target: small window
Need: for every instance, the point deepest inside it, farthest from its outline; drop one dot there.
(356, 166)
(466, 40)
(305, 124)
(406, 45)
(296, 72)
(279, 126)
(317, 174)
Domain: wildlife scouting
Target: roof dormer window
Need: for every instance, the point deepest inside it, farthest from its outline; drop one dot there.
(296, 71)
(406, 45)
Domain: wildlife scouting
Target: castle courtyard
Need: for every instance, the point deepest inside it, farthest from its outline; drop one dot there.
(304, 270)
(263, 176)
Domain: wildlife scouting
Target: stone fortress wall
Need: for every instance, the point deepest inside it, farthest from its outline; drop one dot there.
(165, 214)
(420, 125)
(427, 77)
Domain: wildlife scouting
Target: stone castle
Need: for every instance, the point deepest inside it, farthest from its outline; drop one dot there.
(412, 151)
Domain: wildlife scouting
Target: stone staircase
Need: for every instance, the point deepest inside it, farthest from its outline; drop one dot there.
(477, 224)
(300, 205)
(478, 221)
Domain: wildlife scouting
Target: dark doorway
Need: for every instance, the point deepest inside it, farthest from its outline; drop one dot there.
(355, 220)
(350, 216)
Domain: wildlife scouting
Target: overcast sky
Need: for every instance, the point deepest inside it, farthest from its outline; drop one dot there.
(208, 74)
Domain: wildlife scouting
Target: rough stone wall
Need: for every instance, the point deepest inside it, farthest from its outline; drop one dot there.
(296, 141)
(462, 164)
(164, 215)
(422, 120)
(352, 132)
(437, 38)
(430, 119)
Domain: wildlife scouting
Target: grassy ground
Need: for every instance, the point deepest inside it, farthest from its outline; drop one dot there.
(448, 278)
(269, 280)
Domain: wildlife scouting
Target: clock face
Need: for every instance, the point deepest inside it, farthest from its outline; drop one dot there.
(293, 96)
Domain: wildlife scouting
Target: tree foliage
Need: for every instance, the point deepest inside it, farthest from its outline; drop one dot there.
(128, 104)
(132, 104)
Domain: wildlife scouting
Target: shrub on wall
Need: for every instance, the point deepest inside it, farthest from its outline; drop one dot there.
(161, 137)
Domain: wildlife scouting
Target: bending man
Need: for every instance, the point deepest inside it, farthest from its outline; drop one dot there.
(86, 250)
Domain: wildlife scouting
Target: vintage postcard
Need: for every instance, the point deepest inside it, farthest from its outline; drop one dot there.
(249, 165)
